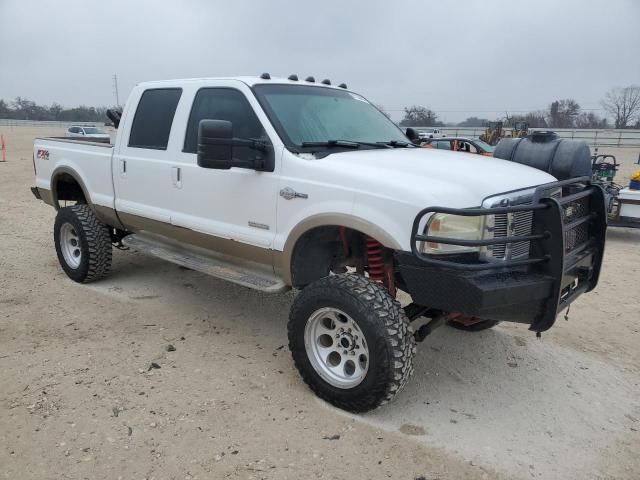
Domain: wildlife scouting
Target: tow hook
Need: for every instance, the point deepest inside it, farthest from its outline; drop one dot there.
(436, 319)
(425, 330)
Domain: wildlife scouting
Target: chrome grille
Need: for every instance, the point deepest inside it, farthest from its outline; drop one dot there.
(500, 228)
(521, 225)
(512, 224)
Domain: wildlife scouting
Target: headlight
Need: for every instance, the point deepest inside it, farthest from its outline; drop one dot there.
(454, 227)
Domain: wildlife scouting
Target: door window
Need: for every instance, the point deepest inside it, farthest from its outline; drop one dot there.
(153, 119)
(223, 104)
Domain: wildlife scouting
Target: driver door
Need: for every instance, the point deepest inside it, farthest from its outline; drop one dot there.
(238, 204)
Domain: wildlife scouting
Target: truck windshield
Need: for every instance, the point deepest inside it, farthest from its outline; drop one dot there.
(305, 115)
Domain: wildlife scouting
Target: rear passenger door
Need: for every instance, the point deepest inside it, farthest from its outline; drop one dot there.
(142, 165)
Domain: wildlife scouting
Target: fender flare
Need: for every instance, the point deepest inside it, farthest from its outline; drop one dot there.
(71, 172)
(283, 267)
(106, 215)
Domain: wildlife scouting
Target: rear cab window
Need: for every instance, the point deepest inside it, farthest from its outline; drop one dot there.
(153, 118)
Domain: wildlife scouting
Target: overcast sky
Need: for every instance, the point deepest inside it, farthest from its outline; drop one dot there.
(460, 58)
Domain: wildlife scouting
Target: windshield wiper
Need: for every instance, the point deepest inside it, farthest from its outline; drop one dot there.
(332, 143)
(346, 144)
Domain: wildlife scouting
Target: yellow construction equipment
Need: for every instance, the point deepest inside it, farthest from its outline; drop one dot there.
(495, 131)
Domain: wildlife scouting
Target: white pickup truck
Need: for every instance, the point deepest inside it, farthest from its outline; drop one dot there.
(279, 183)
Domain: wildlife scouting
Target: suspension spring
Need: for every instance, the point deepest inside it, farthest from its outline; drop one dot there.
(375, 260)
(379, 270)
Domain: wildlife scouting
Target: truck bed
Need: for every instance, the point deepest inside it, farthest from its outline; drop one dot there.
(84, 159)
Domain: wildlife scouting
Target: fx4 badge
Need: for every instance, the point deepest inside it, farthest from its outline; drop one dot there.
(43, 154)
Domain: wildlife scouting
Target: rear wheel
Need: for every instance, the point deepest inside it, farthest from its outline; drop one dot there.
(351, 342)
(83, 244)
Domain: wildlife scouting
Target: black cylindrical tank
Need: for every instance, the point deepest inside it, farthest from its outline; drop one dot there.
(561, 157)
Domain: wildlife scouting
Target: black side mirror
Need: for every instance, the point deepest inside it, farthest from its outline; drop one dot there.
(216, 143)
(412, 135)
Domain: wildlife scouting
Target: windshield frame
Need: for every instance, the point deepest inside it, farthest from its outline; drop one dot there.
(282, 133)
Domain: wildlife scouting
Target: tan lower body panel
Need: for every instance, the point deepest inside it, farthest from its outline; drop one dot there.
(230, 248)
(232, 269)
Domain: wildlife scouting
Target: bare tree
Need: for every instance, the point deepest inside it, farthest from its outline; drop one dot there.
(534, 119)
(591, 120)
(563, 113)
(417, 116)
(623, 104)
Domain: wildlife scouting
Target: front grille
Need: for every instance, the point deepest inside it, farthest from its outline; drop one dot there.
(500, 228)
(511, 224)
(570, 213)
(522, 224)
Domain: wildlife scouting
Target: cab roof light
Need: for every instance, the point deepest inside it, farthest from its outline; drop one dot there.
(310, 79)
(293, 77)
(343, 85)
(265, 76)
(326, 81)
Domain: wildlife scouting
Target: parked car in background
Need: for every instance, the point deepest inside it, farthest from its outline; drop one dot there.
(86, 131)
(460, 144)
(426, 133)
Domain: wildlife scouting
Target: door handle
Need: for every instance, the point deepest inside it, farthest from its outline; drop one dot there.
(176, 176)
(123, 168)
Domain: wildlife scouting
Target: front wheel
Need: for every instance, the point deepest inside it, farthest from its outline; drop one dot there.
(83, 244)
(351, 342)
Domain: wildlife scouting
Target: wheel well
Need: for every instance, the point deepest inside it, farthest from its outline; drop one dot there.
(326, 249)
(67, 188)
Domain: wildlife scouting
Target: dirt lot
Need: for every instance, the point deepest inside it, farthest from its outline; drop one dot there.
(77, 399)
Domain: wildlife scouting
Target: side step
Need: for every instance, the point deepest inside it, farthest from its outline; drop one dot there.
(247, 274)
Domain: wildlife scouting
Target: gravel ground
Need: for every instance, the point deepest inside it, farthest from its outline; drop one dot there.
(78, 400)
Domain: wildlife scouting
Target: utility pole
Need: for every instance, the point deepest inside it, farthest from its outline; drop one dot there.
(115, 89)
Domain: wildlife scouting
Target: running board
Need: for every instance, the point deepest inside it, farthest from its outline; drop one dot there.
(248, 274)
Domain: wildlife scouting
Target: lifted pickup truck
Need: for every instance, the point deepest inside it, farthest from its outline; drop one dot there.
(279, 183)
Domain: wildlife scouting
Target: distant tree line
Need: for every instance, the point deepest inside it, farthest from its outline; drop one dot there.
(622, 104)
(24, 109)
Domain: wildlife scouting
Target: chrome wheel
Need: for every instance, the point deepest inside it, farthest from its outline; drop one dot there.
(70, 245)
(336, 348)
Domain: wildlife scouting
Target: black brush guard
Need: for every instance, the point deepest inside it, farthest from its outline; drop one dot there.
(566, 249)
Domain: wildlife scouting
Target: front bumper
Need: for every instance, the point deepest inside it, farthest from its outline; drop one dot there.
(561, 265)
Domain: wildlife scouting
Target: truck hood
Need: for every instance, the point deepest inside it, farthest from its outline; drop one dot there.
(429, 177)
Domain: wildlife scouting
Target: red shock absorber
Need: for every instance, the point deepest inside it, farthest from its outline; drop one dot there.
(379, 270)
(375, 260)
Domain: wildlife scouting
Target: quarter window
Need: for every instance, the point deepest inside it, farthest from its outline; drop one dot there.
(153, 119)
(223, 104)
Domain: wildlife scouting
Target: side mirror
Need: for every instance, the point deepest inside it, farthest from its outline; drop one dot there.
(412, 135)
(216, 144)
